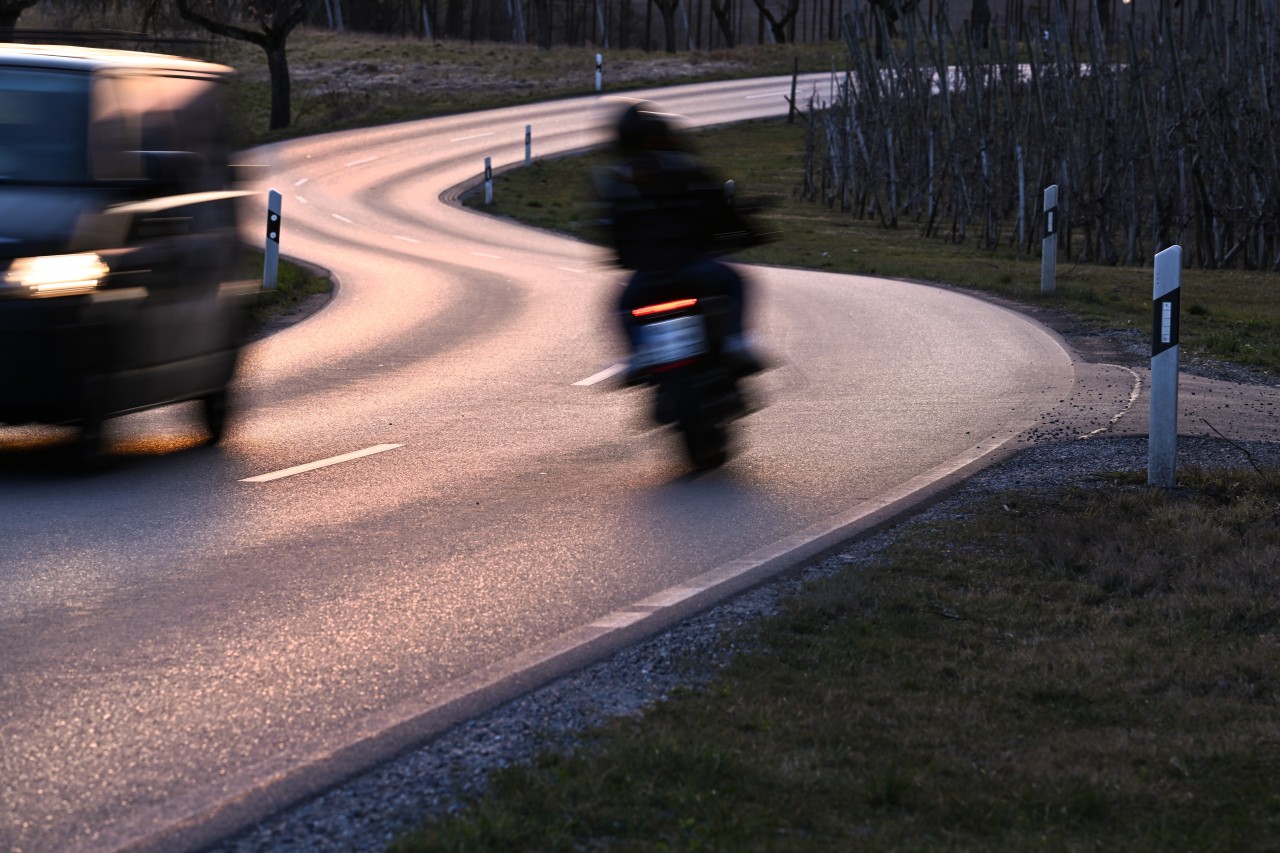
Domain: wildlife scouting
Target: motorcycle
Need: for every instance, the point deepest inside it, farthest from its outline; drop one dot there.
(680, 354)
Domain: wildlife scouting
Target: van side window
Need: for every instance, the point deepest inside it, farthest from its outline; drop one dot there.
(42, 126)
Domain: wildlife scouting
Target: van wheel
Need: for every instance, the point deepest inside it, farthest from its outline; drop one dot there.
(89, 449)
(91, 444)
(214, 407)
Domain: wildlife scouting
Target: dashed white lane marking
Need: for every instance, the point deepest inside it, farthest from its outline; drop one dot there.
(570, 269)
(323, 463)
(360, 162)
(406, 239)
(769, 95)
(300, 181)
(612, 370)
(475, 136)
(487, 255)
(301, 199)
(342, 218)
(1133, 398)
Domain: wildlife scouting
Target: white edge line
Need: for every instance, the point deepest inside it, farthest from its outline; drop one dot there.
(612, 370)
(360, 162)
(323, 463)
(406, 239)
(621, 619)
(1133, 398)
(759, 97)
(339, 216)
(570, 269)
(476, 136)
(487, 255)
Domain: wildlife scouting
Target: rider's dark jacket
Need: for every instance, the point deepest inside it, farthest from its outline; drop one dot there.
(665, 211)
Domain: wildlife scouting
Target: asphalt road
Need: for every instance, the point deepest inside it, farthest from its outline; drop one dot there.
(201, 634)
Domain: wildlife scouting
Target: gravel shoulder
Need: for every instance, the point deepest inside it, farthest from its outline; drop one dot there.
(1227, 417)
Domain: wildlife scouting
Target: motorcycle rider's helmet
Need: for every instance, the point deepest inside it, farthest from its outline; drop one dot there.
(642, 128)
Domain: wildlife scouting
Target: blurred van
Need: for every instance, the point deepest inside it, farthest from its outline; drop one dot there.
(119, 253)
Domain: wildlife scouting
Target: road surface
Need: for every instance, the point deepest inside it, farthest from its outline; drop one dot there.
(425, 506)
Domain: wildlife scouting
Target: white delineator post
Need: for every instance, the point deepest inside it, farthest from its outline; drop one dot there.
(599, 71)
(271, 257)
(1162, 443)
(1049, 247)
(528, 144)
(488, 180)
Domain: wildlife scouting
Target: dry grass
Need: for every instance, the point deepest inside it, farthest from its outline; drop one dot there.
(344, 80)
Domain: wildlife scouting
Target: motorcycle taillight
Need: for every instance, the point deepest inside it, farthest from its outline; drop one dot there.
(663, 307)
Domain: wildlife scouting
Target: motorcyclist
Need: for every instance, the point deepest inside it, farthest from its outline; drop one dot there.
(668, 219)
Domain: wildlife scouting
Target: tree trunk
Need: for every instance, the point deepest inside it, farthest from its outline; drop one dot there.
(454, 15)
(10, 11)
(281, 88)
(723, 12)
(426, 20)
(667, 8)
(779, 27)
(980, 21)
(542, 18)
(516, 10)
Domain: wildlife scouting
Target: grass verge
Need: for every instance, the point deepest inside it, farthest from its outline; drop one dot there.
(295, 284)
(1031, 675)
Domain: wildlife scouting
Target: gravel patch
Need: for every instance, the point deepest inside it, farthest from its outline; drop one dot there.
(368, 812)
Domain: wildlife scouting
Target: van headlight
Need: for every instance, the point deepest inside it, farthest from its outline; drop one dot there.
(54, 275)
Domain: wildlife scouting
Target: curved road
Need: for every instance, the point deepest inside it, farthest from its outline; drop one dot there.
(188, 645)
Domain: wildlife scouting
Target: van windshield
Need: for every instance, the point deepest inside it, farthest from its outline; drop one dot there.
(43, 126)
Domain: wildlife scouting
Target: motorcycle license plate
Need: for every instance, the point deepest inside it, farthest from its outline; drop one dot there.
(672, 340)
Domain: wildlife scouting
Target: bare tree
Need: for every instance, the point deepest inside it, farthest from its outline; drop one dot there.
(722, 11)
(10, 10)
(542, 20)
(275, 20)
(333, 14)
(668, 9)
(778, 25)
(885, 15)
(980, 21)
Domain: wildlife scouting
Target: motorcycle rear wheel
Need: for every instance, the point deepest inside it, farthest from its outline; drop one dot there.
(706, 441)
(707, 445)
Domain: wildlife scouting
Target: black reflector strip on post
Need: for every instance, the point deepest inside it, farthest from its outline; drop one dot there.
(273, 226)
(1164, 321)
